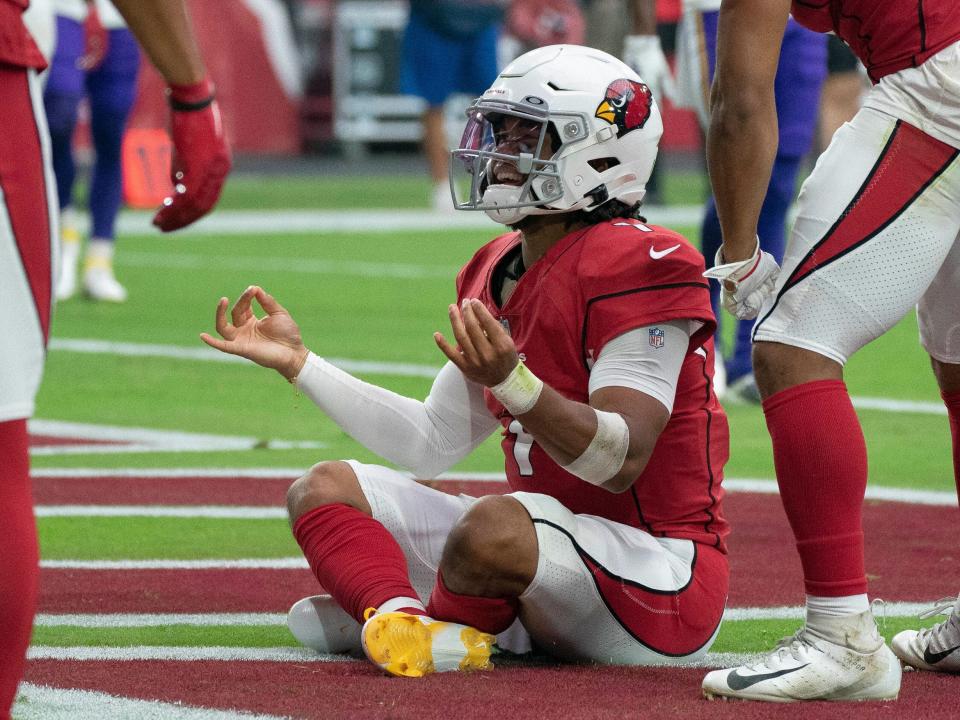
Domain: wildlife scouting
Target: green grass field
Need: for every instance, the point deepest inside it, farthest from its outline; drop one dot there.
(351, 305)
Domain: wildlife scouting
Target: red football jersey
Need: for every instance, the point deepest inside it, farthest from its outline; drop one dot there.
(17, 47)
(887, 35)
(593, 285)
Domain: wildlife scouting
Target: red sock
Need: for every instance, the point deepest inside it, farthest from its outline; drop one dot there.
(354, 557)
(821, 462)
(18, 559)
(952, 401)
(491, 615)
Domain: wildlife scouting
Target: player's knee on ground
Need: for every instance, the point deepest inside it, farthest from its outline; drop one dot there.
(492, 550)
(326, 483)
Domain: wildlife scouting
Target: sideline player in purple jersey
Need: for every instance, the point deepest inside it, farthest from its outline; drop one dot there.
(96, 56)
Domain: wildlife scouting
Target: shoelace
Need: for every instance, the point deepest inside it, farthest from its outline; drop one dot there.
(943, 606)
(940, 607)
(795, 647)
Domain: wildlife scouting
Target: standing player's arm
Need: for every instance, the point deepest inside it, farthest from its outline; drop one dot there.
(163, 29)
(742, 137)
(202, 157)
(607, 443)
(642, 50)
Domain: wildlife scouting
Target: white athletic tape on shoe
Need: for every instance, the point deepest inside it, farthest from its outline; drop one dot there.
(605, 454)
(520, 390)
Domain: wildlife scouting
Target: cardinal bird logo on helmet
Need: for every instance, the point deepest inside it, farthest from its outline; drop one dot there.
(626, 104)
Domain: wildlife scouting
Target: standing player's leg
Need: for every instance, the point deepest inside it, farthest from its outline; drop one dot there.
(112, 91)
(27, 241)
(938, 313)
(61, 98)
(876, 220)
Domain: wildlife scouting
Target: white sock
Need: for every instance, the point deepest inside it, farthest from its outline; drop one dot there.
(836, 606)
(398, 603)
(100, 249)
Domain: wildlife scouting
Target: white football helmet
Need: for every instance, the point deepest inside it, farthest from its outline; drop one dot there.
(563, 128)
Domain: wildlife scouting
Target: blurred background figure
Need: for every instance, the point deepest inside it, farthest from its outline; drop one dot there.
(449, 46)
(843, 90)
(96, 57)
(535, 23)
(800, 76)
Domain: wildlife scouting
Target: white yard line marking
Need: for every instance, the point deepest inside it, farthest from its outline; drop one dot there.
(219, 512)
(326, 222)
(205, 354)
(129, 620)
(941, 498)
(283, 563)
(39, 702)
(303, 266)
(141, 440)
(276, 654)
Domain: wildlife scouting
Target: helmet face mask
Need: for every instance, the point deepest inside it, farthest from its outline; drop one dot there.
(564, 128)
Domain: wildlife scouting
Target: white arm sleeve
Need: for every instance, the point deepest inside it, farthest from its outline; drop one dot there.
(631, 360)
(424, 437)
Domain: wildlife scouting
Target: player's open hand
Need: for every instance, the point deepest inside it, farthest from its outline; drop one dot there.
(272, 341)
(485, 353)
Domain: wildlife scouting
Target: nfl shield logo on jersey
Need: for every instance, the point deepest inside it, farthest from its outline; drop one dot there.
(656, 338)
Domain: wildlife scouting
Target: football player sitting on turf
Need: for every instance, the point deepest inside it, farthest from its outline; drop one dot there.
(585, 336)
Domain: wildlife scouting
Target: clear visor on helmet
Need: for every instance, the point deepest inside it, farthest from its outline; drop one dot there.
(506, 144)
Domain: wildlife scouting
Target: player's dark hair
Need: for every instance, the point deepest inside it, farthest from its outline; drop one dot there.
(610, 210)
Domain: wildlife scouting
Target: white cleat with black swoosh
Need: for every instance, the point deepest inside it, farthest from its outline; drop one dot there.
(936, 648)
(806, 667)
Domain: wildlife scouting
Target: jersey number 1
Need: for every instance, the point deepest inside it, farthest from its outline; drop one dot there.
(522, 445)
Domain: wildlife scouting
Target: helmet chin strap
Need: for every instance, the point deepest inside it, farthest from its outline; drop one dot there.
(504, 197)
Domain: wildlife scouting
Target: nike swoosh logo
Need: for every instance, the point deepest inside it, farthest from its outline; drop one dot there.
(932, 658)
(657, 254)
(736, 681)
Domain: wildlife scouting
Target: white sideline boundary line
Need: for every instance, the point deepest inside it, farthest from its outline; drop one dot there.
(41, 702)
(131, 620)
(370, 367)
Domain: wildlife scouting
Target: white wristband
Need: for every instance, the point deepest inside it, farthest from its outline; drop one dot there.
(605, 454)
(520, 390)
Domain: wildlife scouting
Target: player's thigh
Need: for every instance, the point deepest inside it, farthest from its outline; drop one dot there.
(938, 312)
(610, 593)
(112, 86)
(418, 517)
(876, 220)
(28, 233)
(800, 74)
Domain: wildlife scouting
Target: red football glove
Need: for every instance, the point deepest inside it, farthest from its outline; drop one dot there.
(96, 40)
(201, 158)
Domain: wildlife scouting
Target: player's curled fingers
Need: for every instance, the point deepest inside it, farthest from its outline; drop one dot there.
(477, 336)
(268, 302)
(491, 326)
(224, 327)
(453, 355)
(460, 333)
(242, 309)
